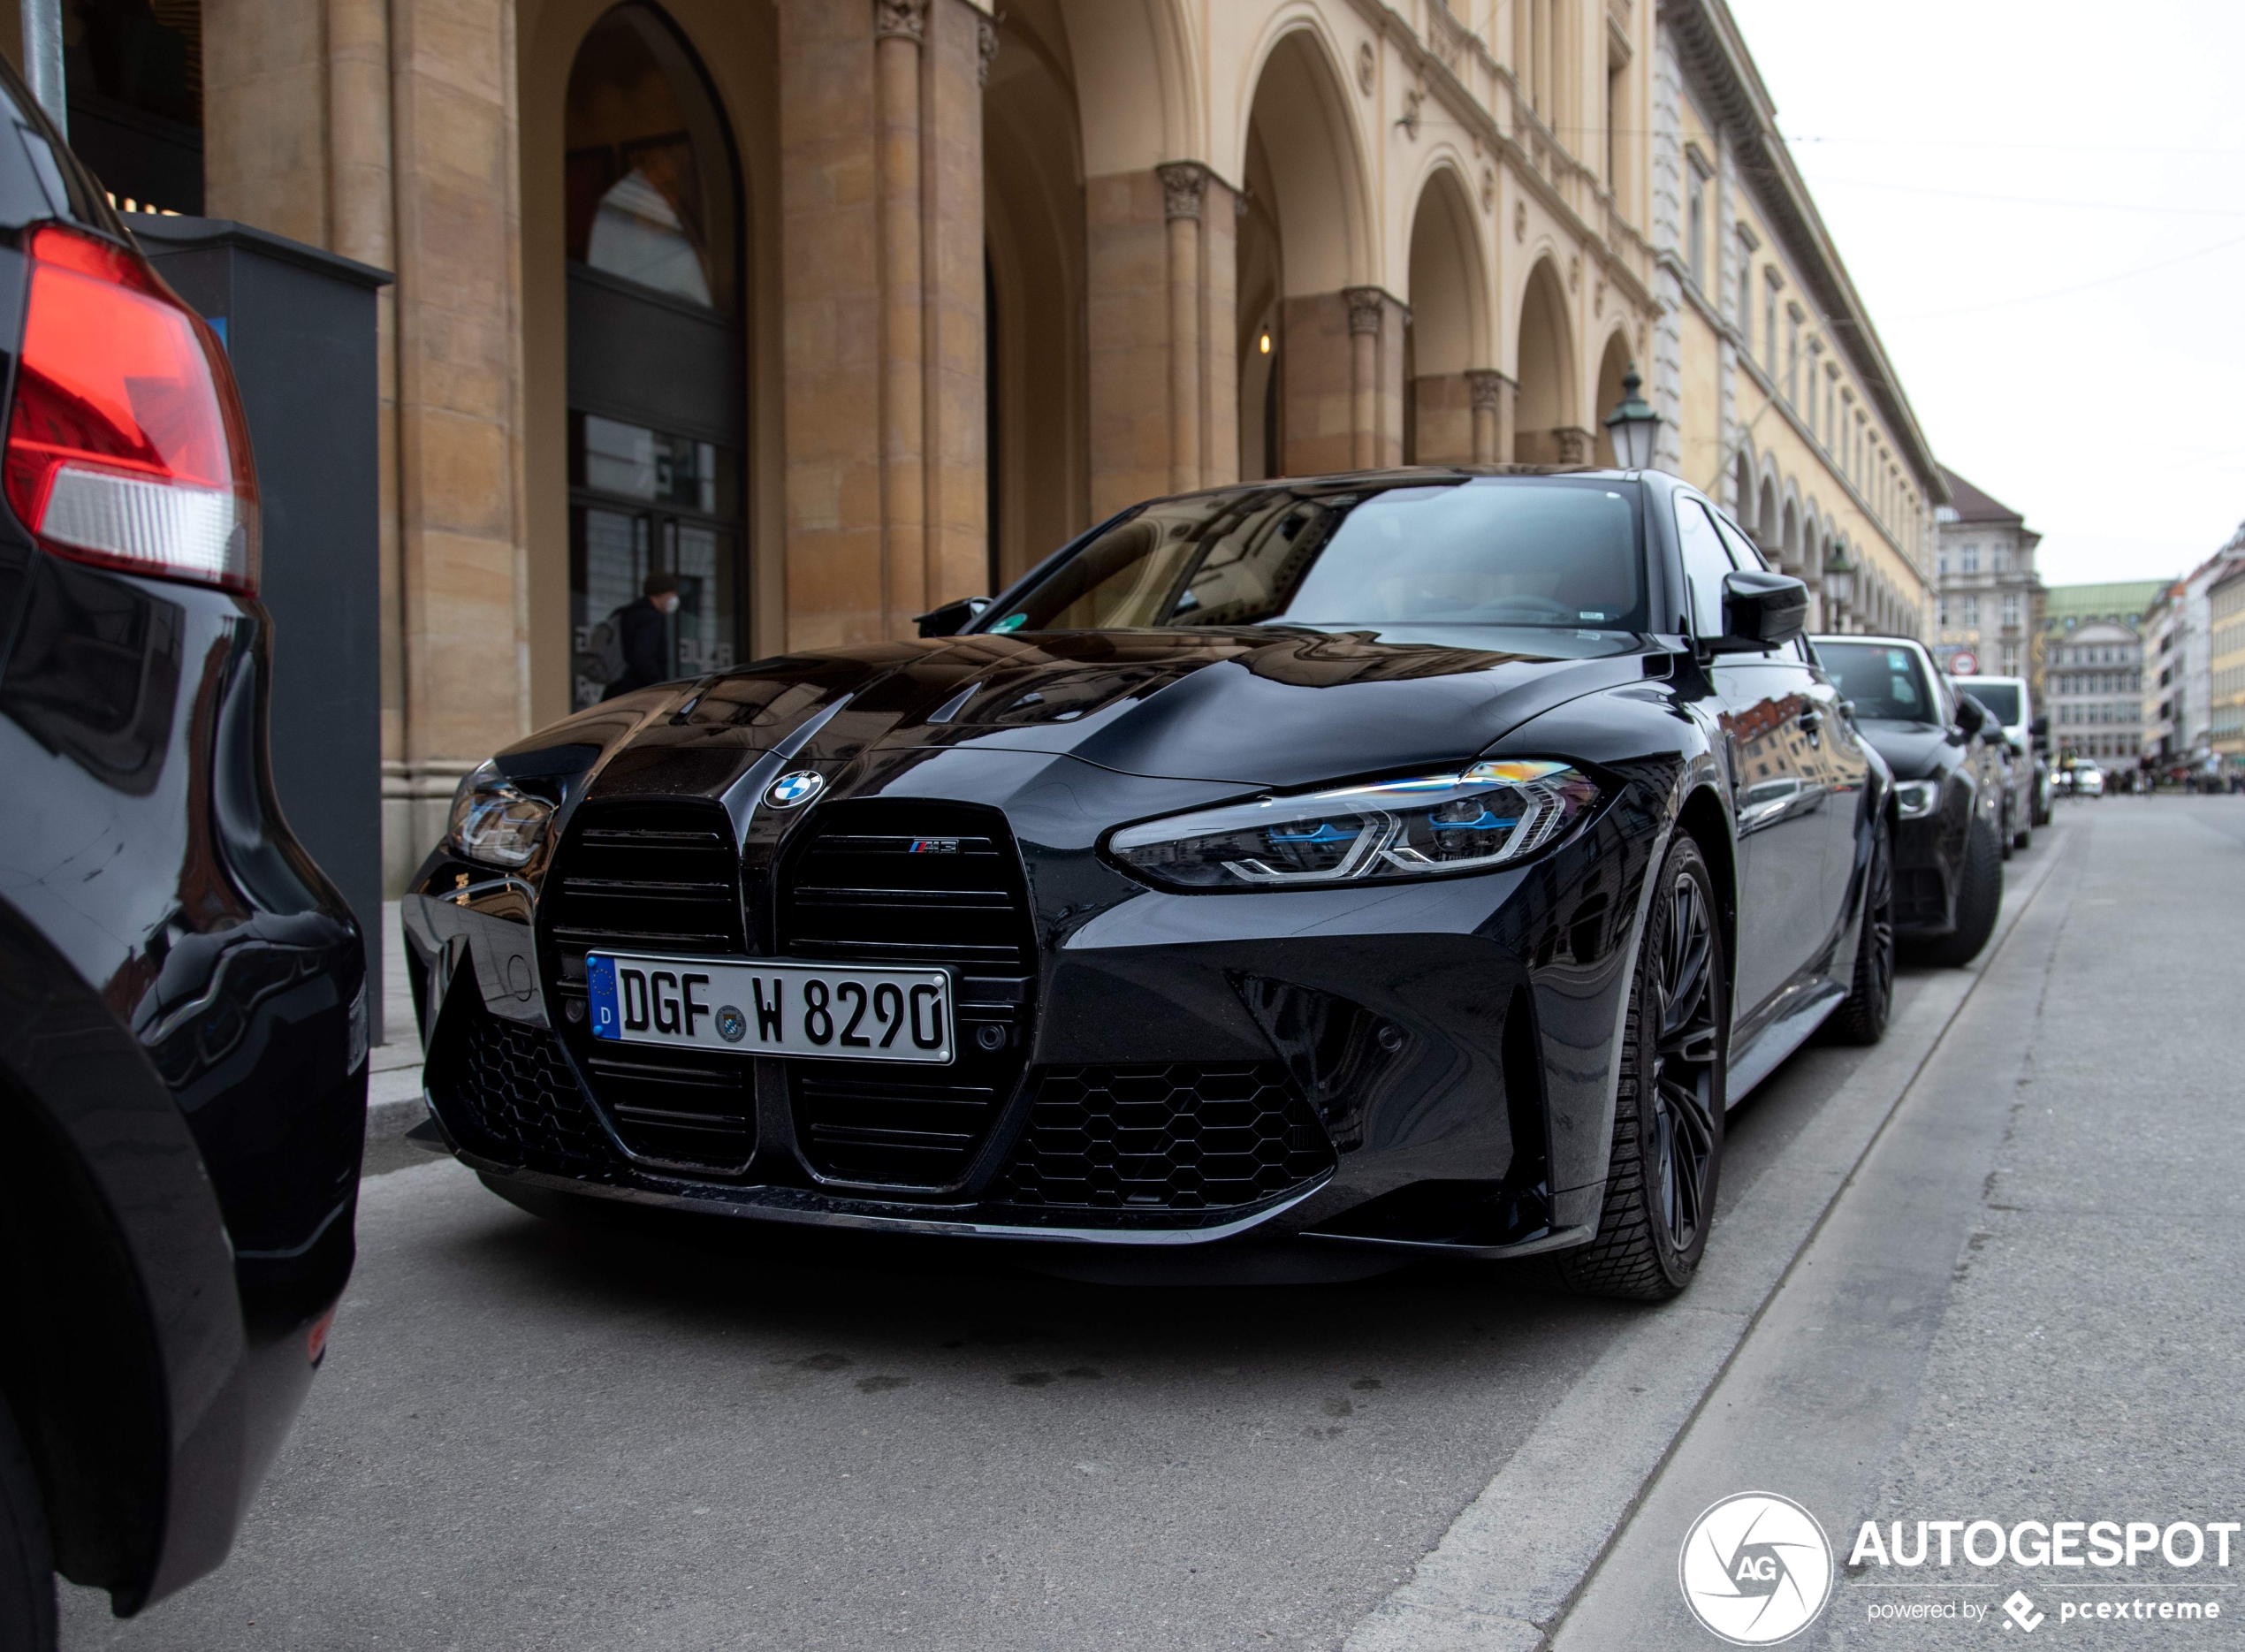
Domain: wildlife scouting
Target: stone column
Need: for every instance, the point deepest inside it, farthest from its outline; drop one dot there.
(1575, 445)
(1184, 184)
(1487, 388)
(899, 26)
(1367, 306)
(1221, 212)
(954, 55)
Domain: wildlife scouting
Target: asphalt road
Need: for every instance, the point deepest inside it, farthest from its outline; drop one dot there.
(529, 1437)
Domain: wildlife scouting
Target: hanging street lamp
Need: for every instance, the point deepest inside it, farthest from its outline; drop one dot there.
(1632, 425)
(1839, 586)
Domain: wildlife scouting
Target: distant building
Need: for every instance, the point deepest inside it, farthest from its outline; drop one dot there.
(2090, 655)
(2182, 698)
(2226, 607)
(2163, 657)
(1987, 598)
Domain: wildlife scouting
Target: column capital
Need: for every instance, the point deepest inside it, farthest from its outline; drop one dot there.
(900, 19)
(1487, 387)
(1575, 445)
(985, 46)
(1183, 183)
(1364, 306)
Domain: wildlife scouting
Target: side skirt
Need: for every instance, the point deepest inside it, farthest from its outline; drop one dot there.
(1780, 1039)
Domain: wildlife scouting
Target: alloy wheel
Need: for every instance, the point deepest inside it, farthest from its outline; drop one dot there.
(1688, 1044)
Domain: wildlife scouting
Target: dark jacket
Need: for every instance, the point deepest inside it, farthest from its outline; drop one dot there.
(646, 640)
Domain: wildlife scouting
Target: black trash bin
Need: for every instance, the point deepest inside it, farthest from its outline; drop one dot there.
(299, 326)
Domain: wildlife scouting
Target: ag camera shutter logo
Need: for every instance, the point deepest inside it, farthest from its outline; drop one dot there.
(1756, 1569)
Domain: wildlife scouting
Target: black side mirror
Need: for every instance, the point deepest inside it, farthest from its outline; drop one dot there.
(952, 618)
(2040, 728)
(1760, 612)
(1971, 715)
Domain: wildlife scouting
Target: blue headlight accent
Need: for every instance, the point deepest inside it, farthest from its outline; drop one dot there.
(1385, 831)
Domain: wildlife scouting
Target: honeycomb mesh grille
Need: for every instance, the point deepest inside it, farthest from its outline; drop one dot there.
(1175, 1137)
(510, 1092)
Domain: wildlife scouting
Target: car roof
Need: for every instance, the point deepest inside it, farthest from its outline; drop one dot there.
(1403, 475)
(1858, 636)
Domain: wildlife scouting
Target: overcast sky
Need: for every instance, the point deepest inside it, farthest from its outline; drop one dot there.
(2043, 207)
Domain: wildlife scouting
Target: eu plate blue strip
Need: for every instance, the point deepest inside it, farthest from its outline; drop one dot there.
(600, 973)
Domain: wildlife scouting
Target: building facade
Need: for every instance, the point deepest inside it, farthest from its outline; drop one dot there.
(838, 310)
(2194, 719)
(1777, 397)
(1987, 598)
(2095, 667)
(2226, 663)
(2095, 679)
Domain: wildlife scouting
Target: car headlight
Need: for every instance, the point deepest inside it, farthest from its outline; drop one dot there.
(1914, 800)
(495, 820)
(1484, 815)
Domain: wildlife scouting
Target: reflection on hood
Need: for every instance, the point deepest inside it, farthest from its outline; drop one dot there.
(1260, 706)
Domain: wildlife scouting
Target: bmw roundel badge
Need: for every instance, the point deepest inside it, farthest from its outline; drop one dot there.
(731, 1023)
(794, 789)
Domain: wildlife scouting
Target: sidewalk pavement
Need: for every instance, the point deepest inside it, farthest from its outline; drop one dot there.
(2025, 1307)
(393, 1077)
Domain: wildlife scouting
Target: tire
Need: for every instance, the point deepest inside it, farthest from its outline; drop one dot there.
(26, 1555)
(2005, 838)
(1980, 893)
(1667, 1108)
(1861, 1015)
(2024, 838)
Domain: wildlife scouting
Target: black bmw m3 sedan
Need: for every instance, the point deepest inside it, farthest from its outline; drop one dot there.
(1416, 864)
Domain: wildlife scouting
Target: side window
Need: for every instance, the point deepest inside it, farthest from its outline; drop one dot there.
(1705, 563)
(1742, 549)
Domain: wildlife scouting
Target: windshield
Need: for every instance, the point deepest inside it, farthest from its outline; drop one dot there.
(2002, 698)
(1532, 551)
(1884, 682)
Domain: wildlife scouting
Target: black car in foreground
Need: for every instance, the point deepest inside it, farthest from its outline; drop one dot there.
(1406, 863)
(1951, 777)
(182, 1021)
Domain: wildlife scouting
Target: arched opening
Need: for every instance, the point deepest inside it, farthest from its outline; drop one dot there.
(1787, 555)
(1546, 432)
(657, 418)
(1315, 400)
(1611, 370)
(1443, 337)
(1765, 520)
(1033, 208)
(1260, 274)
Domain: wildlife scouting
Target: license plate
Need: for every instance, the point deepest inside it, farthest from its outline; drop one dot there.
(763, 1009)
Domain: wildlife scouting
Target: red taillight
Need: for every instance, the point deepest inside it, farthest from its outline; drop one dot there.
(316, 1338)
(127, 445)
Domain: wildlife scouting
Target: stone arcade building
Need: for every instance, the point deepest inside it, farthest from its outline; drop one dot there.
(841, 308)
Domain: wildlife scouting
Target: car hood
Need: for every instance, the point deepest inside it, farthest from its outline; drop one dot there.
(1915, 752)
(1255, 708)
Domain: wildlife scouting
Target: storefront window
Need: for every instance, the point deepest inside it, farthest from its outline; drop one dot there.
(685, 529)
(657, 424)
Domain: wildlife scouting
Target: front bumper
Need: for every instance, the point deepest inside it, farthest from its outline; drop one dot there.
(1423, 1066)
